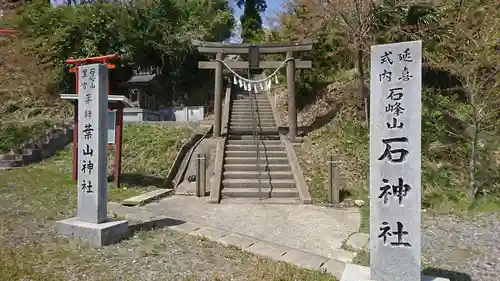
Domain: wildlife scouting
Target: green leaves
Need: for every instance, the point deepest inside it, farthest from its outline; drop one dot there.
(156, 34)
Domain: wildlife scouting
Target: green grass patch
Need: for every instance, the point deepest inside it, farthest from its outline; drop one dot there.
(151, 148)
(444, 175)
(14, 133)
(32, 198)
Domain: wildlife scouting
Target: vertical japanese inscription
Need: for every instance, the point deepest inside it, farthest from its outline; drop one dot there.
(395, 131)
(92, 143)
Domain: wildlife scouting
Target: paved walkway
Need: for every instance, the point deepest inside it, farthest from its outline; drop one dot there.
(306, 235)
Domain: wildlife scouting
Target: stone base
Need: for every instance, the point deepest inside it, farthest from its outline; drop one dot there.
(354, 272)
(96, 235)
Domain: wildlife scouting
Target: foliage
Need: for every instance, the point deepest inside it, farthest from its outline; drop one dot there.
(16, 133)
(460, 104)
(157, 34)
(251, 20)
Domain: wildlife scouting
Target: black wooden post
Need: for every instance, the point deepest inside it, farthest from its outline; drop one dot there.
(292, 110)
(218, 97)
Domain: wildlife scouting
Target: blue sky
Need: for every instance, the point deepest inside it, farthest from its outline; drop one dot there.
(273, 6)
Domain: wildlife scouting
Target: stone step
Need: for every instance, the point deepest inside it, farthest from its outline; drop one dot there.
(258, 101)
(254, 114)
(250, 116)
(263, 193)
(257, 127)
(247, 100)
(254, 168)
(266, 200)
(249, 130)
(253, 160)
(265, 175)
(269, 139)
(251, 147)
(250, 124)
(249, 133)
(254, 183)
(250, 119)
(262, 153)
(249, 111)
(248, 104)
(249, 107)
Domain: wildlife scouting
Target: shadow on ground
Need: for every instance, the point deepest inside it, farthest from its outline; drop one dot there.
(155, 224)
(132, 179)
(452, 275)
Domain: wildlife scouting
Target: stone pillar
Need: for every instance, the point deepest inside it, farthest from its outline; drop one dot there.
(218, 97)
(292, 110)
(395, 157)
(91, 222)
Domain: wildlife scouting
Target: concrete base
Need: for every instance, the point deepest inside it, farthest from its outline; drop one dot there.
(96, 235)
(354, 272)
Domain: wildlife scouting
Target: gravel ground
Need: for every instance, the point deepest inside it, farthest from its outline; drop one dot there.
(469, 247)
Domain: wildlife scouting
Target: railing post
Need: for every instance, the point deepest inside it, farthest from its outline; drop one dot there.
(333, 180)
(201, 172)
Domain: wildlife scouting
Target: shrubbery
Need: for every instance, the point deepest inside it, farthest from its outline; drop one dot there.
(461, 92)
(156, 34)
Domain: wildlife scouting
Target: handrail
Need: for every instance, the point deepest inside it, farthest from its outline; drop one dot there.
(256, 141)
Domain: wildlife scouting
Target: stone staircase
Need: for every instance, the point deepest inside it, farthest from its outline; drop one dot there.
(241, 172)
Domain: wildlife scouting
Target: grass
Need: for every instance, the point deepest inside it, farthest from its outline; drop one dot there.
(444, 179)
(12, 134)
(444, 184)
(151, 149)
(32, 198)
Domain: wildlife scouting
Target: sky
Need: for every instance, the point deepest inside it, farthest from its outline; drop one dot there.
(273, 6)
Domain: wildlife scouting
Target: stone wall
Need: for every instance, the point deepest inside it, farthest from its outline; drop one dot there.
(38, 148)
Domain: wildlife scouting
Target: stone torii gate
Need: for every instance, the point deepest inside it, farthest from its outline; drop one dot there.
(254, 51)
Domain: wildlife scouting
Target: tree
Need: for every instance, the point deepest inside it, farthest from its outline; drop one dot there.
(153, 34)
(251, 20)
(470, 50)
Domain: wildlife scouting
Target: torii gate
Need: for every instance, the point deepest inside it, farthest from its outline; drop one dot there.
(254, 51)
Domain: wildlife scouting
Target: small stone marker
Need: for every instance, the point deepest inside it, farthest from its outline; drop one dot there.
(395, 133)
(91, 222)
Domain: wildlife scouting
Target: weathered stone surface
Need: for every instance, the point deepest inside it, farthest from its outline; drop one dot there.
(342, 255)
(395, 157)
(270, 250)
(92, 143)
(334, 267)
(237, 240)
(95, 234)
(146, 197)
(210, 233)
(358, 241)
(354, 272)
(303, 259)
(186, 227)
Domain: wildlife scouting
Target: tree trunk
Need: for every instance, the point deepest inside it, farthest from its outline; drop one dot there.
(361, 80)
(472, 168)
(473, 160)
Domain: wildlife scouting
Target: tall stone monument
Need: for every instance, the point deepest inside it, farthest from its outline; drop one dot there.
(91, 223)
(395, 169)
(395, 133)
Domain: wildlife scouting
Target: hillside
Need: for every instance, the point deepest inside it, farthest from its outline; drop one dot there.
(29, 106)
(460, 104)
(32, 64)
